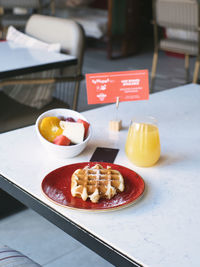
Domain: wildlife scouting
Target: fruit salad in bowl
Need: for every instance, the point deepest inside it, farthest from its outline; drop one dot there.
(63, 132)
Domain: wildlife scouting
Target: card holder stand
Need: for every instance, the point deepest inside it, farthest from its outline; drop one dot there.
(115, 125)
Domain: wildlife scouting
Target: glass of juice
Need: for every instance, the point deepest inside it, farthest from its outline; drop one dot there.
(143, 142)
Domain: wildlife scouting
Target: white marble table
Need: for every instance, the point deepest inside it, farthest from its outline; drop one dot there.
(17, 60)
(160, 230)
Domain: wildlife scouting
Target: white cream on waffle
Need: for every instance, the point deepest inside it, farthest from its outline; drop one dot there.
(96, 182)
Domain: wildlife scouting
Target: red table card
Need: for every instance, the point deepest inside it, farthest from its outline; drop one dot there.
(127, 85)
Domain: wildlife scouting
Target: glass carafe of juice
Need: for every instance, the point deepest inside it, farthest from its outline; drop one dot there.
(143, 142)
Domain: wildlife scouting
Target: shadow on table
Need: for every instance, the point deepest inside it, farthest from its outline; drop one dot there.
(169, 159)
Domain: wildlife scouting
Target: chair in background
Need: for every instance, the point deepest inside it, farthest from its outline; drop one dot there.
(71, 37)
(181, 23)
(50, 30)
(11, 257)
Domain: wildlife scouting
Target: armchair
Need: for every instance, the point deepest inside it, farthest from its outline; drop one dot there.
(180, 19)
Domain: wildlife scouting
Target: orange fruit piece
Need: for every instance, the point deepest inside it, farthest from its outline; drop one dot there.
(50, 128)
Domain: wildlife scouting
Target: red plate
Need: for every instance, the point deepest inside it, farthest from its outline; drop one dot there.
(57, 187)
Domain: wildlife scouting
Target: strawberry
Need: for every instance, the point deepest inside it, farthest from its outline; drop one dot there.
(62, 140)
(70, 119)
(85, 124)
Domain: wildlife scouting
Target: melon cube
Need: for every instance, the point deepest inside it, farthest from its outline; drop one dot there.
(73, 130)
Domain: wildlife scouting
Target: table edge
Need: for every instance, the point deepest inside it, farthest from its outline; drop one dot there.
(38, 68)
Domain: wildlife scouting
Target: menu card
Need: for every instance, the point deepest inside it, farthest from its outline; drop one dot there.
(124, 85)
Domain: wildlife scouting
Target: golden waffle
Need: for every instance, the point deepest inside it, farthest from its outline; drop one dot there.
(96, 182)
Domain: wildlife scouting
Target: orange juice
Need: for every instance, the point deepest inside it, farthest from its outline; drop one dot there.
(143, 144)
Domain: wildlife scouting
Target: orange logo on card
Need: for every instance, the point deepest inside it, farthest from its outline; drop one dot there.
(127, 85)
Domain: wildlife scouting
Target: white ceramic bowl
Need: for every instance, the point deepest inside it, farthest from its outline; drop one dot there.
(57, 150)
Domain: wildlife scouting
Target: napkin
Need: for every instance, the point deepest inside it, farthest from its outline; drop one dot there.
(27, 41)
